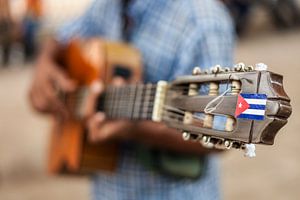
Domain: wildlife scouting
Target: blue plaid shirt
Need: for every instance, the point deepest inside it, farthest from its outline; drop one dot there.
(173, 37)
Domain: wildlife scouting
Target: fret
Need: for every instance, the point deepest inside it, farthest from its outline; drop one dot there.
(119, 95)
(119, 106)
(134, 88)
(143, 90)
(146, 102)
(130, 102)
(124, 102)
(151, 102)
(131, 99)
(138, 102)
(105, 103)
(109, 102)
(114, 102)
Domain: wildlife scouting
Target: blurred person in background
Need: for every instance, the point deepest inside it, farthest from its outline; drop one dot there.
(283, 13)
(31, 22)
(173, 37)
(6, 31)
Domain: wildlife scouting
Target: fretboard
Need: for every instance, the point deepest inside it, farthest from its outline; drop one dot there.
(133, 102)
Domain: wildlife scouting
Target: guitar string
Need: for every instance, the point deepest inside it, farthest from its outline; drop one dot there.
(81, 95)
(122, 102)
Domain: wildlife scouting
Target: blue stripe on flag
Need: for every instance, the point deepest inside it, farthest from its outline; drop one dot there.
(253, 117)
(257, 107)
(254, 96)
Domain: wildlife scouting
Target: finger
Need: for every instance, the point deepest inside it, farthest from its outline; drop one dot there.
(95, 89)
(64, 82)
(94, 124)
(47, 99)
(37, 100)
(118, 81)
(111, 130)
(56, 106)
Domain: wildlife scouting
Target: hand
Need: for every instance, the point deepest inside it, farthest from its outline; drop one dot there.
(47, 80)
(99, 128)
(146, 132)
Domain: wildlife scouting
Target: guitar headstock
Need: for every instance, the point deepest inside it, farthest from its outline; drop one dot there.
(226, 108)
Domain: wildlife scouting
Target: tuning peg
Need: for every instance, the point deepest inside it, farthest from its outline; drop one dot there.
(250, 150)
(261, 67)
(228, 144)
(205, 140)
(239, 67)
(219, 144)
(216, 69)
(250, 68)
(186, 136)
(196, 71)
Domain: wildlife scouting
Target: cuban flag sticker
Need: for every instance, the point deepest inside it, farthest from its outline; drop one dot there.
(251, 106)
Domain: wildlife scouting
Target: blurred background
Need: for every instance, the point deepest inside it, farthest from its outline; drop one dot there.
(269, 32)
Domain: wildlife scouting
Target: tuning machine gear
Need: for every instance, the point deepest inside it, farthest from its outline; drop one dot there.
(249, 68)
(197, 71)
(249, 150)
(239, 67)
(216, 69)
(186, 136)
(261, 67)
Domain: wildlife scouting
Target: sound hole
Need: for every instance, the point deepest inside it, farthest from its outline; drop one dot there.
(122, 71)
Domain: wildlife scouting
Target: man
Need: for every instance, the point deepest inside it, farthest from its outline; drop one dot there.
(6, 30)
(173, 37)
(31, 22)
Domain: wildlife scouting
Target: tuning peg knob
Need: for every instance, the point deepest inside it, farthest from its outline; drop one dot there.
(216, 69)
(250, 150)
(250, 68)
(261, 67)
(205, 140)
(239, 67)
(196, 71)
(228, 144)
(186, 136)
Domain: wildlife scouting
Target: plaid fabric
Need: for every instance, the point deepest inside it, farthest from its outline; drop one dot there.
(173, 37)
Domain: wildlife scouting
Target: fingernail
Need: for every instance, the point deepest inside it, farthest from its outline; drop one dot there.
(96, 87)
(100, 116)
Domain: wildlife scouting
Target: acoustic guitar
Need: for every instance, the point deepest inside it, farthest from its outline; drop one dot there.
(254, 104)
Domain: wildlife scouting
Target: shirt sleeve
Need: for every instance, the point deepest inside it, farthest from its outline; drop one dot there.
(96, 21)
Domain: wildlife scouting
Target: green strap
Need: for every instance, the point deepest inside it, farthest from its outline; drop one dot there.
(171, 163)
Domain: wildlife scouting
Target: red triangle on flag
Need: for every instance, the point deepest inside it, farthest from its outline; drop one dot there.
(241, 106)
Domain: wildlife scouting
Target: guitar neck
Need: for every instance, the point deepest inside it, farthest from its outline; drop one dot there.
(134, 102)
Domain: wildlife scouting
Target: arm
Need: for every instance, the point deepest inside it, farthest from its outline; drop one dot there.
(49, 76)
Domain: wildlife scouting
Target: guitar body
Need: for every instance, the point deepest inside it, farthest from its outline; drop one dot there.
(85, 61)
